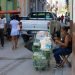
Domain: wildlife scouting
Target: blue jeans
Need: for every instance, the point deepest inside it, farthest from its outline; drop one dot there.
(61, 52)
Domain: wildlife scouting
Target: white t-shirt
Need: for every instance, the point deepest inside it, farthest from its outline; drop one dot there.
(2, 22)
(14, 23)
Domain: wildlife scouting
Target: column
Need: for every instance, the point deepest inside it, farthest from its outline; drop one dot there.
(24, 5)
(73, 32)
(70, 9)
(0, 4)
(21, 4)
(71, 14)
(36, 6)
(14, 4)
(27, 7)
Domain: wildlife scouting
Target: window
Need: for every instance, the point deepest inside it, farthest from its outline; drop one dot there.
(41, 15)
(33, 15)
(49, 16)
(9, 0)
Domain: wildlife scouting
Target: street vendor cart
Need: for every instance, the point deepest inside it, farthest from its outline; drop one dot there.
(42, 48)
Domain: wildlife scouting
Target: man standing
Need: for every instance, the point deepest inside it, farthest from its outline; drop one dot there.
(2, 26)
(62, 18)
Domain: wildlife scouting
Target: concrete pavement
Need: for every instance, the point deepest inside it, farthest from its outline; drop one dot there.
(20, 52)
(19, 62)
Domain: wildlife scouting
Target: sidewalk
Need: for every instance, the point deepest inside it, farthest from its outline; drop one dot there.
(20, 52)
(9, 65)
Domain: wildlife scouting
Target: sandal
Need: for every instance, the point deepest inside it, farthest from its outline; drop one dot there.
(58, 66)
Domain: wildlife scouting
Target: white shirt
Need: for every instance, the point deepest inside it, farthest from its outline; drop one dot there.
(2, 22)
(14, 23)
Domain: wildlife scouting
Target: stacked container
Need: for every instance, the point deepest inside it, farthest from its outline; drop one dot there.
(42, 48)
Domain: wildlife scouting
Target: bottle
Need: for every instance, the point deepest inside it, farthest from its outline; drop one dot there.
(49, 31)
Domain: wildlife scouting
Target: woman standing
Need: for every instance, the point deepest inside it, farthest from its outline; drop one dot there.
(14, 32)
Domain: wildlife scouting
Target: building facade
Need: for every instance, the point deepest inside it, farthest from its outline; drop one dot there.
(8, 4)
(23, 6)
(37, 5)
(27, 6)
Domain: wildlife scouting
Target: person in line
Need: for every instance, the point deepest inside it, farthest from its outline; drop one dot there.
(66, 17)
(14, 32)
(2, 28)
(65, 47)
(62, 18)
